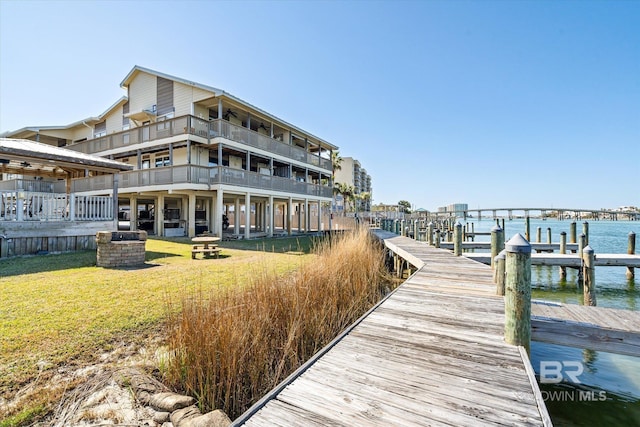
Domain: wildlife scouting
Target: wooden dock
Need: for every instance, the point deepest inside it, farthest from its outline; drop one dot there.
(596, 328)
(568, 260)
(536, 246)
(431, 353)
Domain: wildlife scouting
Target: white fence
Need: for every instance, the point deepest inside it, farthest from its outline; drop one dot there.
(39, 206)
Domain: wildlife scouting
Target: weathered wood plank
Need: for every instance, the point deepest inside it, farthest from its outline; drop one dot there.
(432, 353)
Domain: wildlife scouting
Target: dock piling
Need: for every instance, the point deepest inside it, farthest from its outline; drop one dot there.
(631, 250)
(527, 228)
(498, 274)
(538, 234)
(430, 233)
(517, 303)
(457, 239)
(572, 232)
(563, 250)
(585, 231)
(589, 274)
(497, 244)
(437, 238)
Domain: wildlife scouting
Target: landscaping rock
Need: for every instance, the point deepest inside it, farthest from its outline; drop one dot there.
(169, 402)
(181, 415)
(161, 417)
(215, 418)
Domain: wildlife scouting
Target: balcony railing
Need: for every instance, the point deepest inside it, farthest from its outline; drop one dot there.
(33, 185)
(185, 174)
(207, 129)
(246, 136)
(39, 206)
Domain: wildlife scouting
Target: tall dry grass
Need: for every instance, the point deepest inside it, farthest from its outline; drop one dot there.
(231, 347)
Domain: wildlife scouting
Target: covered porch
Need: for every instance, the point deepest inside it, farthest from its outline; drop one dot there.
(39, 212)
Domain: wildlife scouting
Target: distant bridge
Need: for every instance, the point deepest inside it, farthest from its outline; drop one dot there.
(559, 213)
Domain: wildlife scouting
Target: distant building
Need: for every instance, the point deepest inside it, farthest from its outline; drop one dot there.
(353, 174)
(456, 209)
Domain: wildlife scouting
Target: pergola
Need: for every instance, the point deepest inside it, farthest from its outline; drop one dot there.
(25, 157)
(30, 158)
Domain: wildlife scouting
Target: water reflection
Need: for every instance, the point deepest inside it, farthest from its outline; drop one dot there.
(588, 387)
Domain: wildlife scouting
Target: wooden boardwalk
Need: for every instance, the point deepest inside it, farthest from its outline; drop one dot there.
(431, 353)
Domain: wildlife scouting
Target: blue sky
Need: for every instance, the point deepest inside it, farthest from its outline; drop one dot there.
(490, 103)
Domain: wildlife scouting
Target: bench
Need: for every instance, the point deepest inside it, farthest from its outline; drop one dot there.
(206, 252)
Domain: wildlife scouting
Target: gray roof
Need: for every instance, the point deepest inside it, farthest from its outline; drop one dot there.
(46, 157)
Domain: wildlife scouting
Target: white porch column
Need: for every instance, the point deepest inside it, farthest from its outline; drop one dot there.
(289, 215)
(116, 179)
(320, 215)
(307, 216)
(133, 213)
(159, 210)
(236, 217)
(299, 206)
(218, 210)
(247, 216)
(191, 218)
(270, 214)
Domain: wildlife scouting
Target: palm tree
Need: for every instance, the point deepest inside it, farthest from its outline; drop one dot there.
(336, 165)
(365, 197)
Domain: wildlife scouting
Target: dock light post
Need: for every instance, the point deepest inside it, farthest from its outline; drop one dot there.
(517, 303)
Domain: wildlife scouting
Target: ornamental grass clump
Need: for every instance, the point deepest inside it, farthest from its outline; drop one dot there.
(233, 345)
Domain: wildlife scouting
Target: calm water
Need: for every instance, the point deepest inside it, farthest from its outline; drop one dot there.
(596, 388)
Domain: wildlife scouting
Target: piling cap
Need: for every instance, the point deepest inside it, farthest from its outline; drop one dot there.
(587, 250)
(496, 228)
(631, 233)
(501, 255)
(458, 224)
(518, 244)
(430, 223)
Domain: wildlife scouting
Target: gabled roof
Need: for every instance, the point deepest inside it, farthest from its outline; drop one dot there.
(136, 69)
(34, 158)
(88, 120)
(218, 92)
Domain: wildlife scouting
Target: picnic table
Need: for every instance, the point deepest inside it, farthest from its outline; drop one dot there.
(205, 245)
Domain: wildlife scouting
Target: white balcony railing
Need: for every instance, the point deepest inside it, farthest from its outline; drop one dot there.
(39, 206)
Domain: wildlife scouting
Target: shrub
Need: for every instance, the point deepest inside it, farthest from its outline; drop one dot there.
(232, 346)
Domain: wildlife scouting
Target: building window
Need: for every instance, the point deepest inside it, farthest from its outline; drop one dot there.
(162, 161)
(100, 130)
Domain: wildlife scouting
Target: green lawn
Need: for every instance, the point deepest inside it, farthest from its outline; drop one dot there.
(60, 309)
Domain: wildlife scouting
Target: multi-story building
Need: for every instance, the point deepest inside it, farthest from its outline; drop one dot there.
(353, 174)
(200, 153)
(457, 209)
